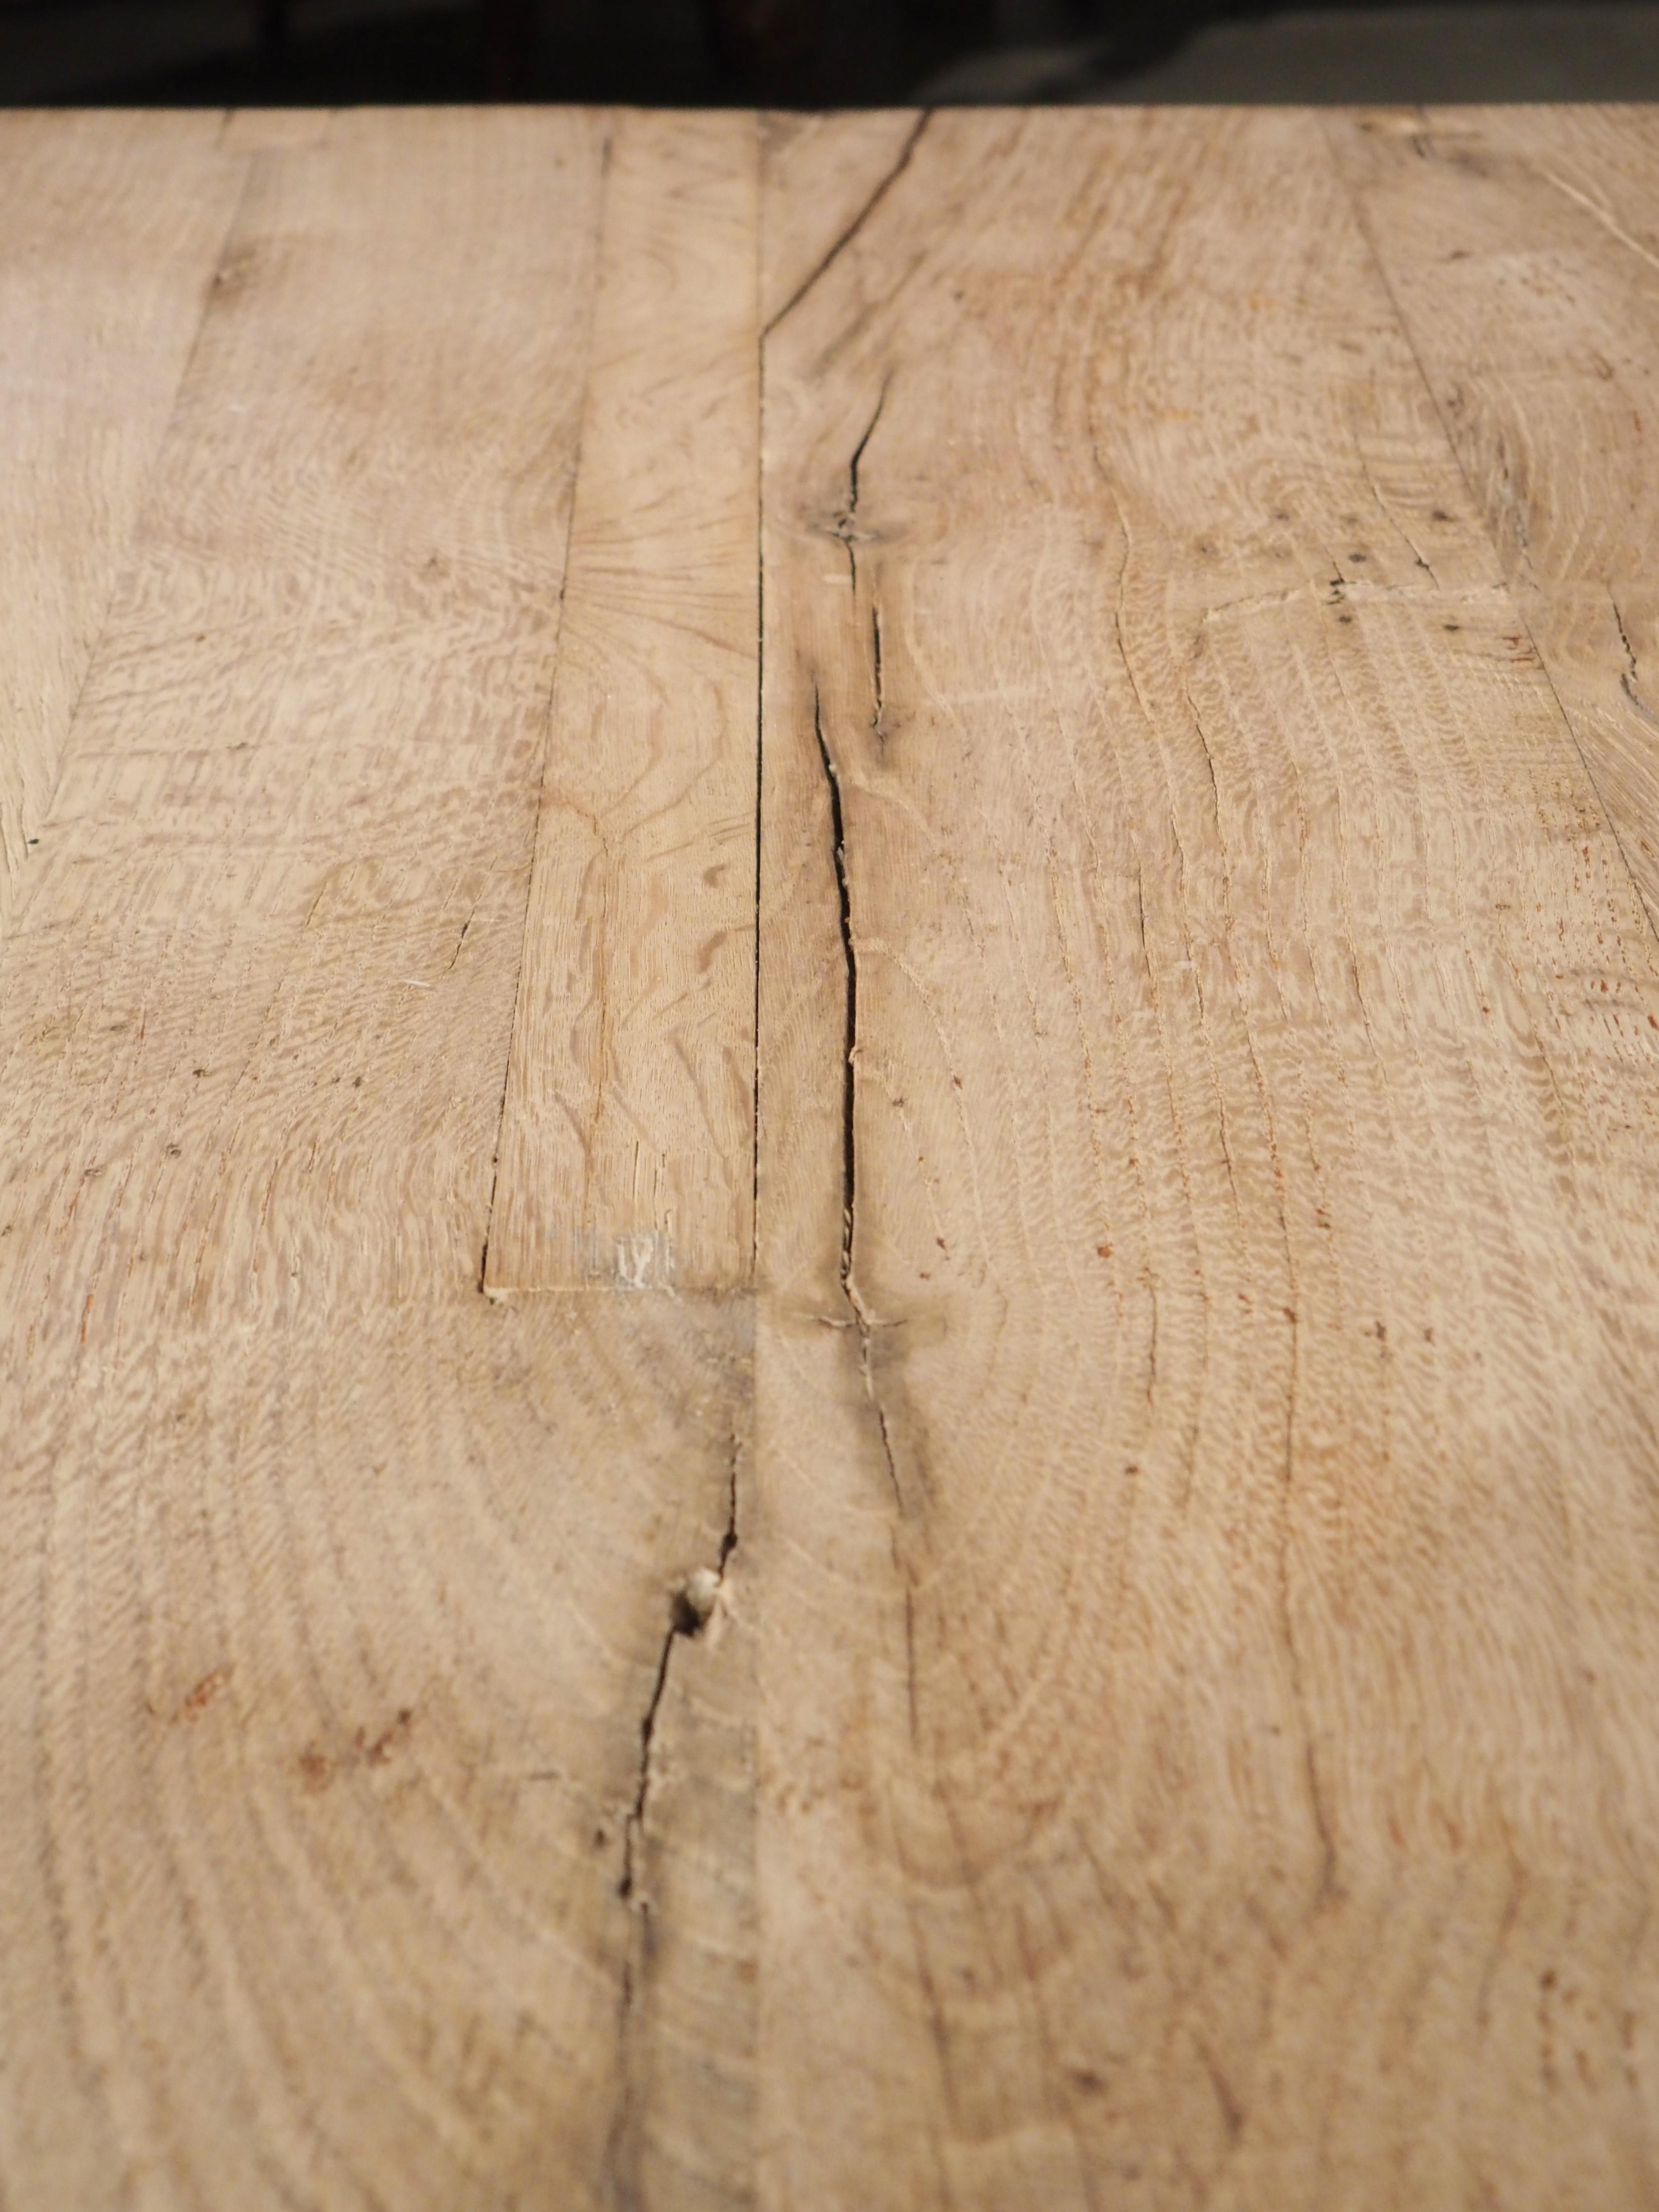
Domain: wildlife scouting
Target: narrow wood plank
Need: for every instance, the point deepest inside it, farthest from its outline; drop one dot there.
(627, 1149)
(1522, 248)
(1207, 1523)
(339, 1741)
(110, 226)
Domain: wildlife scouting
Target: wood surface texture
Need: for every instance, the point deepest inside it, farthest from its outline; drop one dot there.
(1520, 247)
(110, 230)
(627, 1143)
(829, 1162)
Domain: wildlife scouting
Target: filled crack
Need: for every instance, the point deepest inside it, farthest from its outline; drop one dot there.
(849, 1166)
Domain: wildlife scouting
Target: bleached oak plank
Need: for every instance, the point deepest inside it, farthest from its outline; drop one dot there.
(1206, 1493)
(328, 1644)
(110, 226)
(257, 1012)
(1520, 248)
(626, 1151)
(337, 1598)
(1141, 1693)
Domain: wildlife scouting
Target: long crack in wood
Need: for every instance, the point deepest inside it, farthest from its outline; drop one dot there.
(862, 1320)
(691, 1610)
(850, 969)
(635, 1824)
(846, 526)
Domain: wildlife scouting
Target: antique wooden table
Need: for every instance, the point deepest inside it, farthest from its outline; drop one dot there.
(830, 1161)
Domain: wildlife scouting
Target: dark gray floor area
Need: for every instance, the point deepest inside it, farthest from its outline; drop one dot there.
(1477, 52)
(866, 52)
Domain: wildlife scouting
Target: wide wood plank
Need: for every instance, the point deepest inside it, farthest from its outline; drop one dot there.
(1522, 248)
(626, 1151)
(336, 1772)
(110, 227)
(1208, 1491)
(961, 1510)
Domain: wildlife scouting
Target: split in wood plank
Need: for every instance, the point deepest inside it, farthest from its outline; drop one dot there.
(1062, 1615)
(1210, 1166)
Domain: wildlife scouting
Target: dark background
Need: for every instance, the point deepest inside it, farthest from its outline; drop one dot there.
(821, 53)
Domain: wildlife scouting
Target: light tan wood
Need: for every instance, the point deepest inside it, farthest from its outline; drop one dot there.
(827, 176)
(627, 1150)
(329, 1642)
(1206, 1493)
(1063, 1614)
(266, 976)
(277, 129)
(109, 230)
(1521, 250)
(336, 1596)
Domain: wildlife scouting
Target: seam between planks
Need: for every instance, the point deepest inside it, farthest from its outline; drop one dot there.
(760, 675)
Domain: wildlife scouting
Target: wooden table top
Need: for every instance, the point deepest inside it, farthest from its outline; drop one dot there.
(830, 1161)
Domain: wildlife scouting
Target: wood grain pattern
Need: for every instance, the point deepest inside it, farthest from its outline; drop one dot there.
(1521, 249)
(826, 175)
(109, 230)
(258, 1008)
(627, 1148)
(905, 1460)
(327, 1643)
(336, 1595)
(1207, 1491)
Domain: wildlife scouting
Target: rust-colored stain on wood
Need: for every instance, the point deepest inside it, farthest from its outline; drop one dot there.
(830, 1161)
